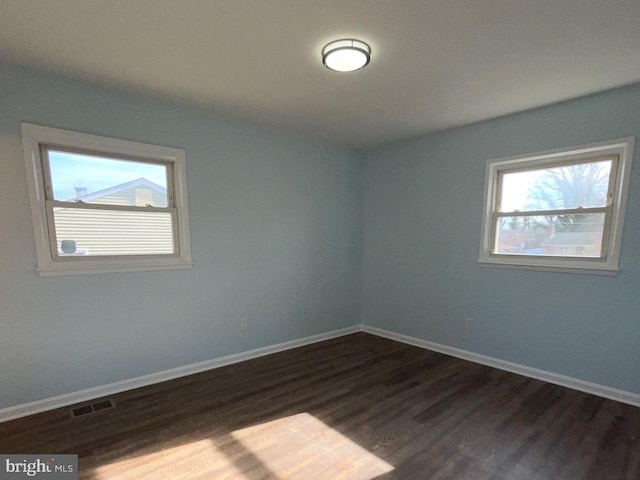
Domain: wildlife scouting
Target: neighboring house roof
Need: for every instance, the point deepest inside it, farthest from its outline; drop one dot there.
(139, 182)
(561, 239)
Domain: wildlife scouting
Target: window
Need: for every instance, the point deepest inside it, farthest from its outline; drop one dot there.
(105, 205)
(560, 210)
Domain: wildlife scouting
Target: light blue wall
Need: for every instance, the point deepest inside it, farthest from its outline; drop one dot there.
(276, 229)
(275, 232)
(422, 215)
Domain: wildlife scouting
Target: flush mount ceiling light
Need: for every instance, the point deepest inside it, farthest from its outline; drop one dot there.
(346, 55)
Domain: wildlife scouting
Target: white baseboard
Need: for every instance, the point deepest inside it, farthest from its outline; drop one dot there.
(25, 409)
(562, 380)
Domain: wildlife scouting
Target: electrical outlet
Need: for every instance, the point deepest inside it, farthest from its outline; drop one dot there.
(468, 323)
(244, 321)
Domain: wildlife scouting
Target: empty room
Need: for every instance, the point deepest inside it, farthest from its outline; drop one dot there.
(293, 239)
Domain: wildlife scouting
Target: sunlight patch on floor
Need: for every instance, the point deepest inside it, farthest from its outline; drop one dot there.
(298, 447)
(302, 447)
(184, 461)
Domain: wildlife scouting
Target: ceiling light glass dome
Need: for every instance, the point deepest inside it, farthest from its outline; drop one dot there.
(346, 55)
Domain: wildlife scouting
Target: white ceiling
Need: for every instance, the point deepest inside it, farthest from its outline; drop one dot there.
(435, 63)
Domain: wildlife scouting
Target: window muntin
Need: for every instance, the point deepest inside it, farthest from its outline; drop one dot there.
(557, 210)
(103, 205)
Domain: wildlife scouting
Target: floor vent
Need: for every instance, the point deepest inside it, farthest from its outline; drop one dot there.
(92, 408)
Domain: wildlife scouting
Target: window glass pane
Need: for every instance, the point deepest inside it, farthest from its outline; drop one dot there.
(556, 188)
(578, 235)
(102, 180)
(82, 232)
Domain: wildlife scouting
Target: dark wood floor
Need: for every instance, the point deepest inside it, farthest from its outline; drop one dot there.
(358, 407)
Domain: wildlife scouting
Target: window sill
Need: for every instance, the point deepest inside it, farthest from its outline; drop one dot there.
(74, 269)
(608, 272)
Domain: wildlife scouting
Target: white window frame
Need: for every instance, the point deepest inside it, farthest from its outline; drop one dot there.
(608, 263)
(49, 263)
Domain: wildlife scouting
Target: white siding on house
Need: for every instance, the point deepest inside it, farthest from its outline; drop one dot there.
(109, 232)
(128, 197)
